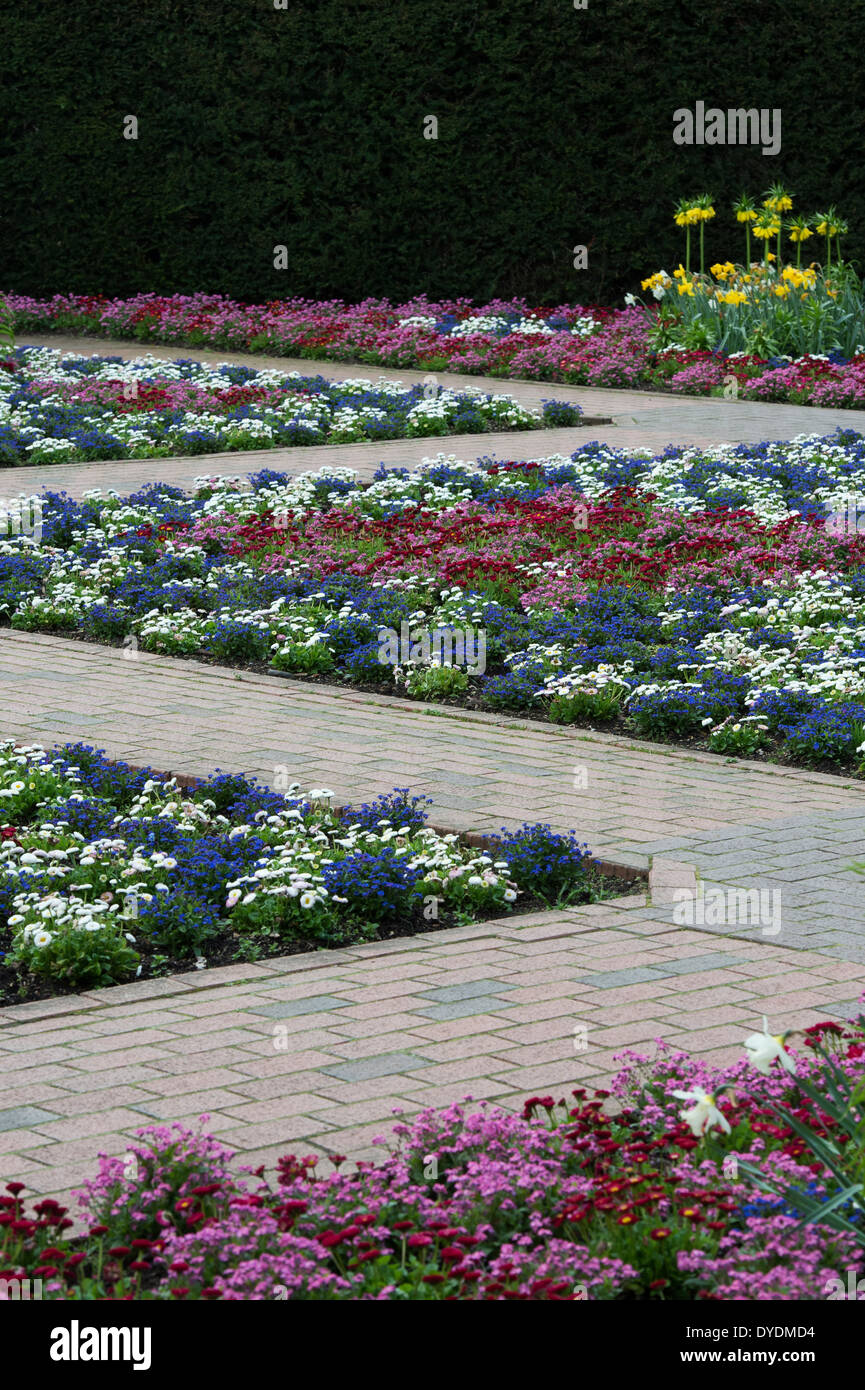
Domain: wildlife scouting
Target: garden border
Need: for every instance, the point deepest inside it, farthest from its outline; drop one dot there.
(194, 981)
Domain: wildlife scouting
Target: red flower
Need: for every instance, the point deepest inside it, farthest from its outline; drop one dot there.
(330, 1239)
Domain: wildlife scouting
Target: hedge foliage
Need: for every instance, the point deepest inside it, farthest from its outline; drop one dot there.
(304, 126)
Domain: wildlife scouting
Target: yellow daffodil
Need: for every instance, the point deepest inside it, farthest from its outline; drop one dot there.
(747, 213)
(830, 225)
(685, 214)
(705, 212)
(778, 198)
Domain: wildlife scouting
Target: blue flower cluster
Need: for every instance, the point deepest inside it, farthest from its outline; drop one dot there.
(803, 699)
(183, 852)
(43, 421)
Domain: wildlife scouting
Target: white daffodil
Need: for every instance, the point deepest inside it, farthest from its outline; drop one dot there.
(704, 1114)
(763, 1048)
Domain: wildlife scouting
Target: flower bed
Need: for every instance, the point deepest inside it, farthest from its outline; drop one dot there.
(108, 873)
(682, 1183)
(572, 344)
(57, 408)
(696, 597)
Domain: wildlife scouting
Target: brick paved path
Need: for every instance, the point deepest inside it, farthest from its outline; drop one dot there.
(640, 420)
(315, 1052)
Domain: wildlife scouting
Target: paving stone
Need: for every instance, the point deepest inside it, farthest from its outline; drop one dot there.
(452, 994)
(385, 1064)
(693, 964)
(464, 1008)
(315, 1003)
(23, 1116)
(844, 1008)
(612, 979)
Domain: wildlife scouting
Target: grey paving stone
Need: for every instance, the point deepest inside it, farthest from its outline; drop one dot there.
(23, 1116)
(464, 1008)
(612, 979)
(451, 994)
(844, 1008)
(312, 1004)
(713, 960)
(384, 1064)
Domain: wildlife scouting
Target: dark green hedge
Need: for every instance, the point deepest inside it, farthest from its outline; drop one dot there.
(303, 126)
